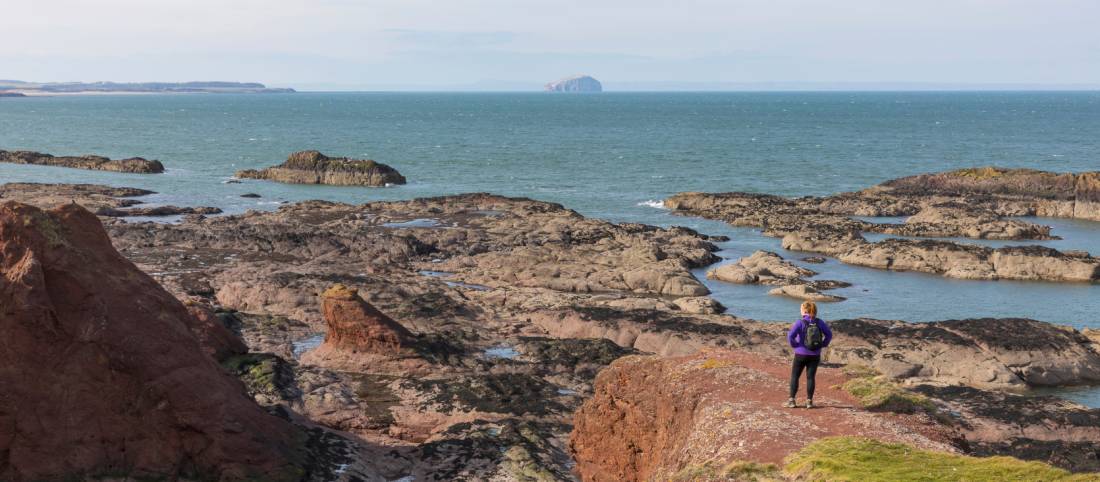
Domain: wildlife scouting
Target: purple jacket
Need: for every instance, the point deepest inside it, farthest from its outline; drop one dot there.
(798, 334)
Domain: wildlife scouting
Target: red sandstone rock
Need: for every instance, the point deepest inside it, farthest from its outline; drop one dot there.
(101, 375)
(355, 325)
(216, 340)
(358, 334)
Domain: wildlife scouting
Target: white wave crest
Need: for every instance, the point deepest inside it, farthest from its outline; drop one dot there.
(653, 204)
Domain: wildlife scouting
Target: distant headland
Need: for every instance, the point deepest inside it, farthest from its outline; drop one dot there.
(13, 87)
(579, 83)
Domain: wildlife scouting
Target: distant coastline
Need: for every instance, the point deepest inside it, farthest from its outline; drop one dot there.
(15, 87)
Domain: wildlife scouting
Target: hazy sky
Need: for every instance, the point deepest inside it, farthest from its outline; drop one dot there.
(500, 43)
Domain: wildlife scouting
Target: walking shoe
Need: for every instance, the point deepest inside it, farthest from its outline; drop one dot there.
(790, 403)
(810, 403)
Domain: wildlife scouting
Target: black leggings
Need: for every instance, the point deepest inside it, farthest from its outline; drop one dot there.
(810, 364)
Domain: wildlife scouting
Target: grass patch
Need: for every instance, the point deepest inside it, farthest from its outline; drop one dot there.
(739, 471)
(875, 392)
(865, 460)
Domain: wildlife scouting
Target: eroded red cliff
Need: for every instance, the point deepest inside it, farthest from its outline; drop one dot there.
(101, 374)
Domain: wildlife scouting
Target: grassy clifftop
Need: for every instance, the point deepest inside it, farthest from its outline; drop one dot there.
(866, 460)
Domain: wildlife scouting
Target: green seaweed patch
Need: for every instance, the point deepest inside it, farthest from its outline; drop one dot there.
(853, 459)
(513, 393)
(374, 392)
(582, 356)
(980, 172)
(263, 374)
(518, 450)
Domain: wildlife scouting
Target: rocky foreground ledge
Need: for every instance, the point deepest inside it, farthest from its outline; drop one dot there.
(98, 163)
(455, 338)
(718, 416)
(312, 167)
(971, 203)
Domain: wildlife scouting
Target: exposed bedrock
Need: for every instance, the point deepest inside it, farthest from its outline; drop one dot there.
(762, 267)
(279, 261)
(102, 375)
(93, 197)
(767, 268)
(312, 167)
(953, 260)
(1041, 428)
(104, 201)
(515, 305)
(99, 163)
(951, 219)
(804, 292)
(987, 353)
(157, 211)
(1025, 191)
(973, 203)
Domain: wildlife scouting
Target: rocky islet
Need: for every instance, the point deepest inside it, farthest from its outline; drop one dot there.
(576, 83)
(312, 167)
(136, 165)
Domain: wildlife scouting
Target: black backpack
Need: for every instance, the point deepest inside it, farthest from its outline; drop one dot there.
(814, 336)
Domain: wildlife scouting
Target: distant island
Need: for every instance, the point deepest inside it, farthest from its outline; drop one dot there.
(579, 83)
(13, 88)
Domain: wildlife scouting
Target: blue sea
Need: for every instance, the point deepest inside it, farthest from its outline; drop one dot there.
(614, 156)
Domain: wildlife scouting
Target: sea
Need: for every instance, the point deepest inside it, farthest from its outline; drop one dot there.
(614, 156)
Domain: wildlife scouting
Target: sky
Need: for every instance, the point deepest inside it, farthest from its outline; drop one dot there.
(521, 44)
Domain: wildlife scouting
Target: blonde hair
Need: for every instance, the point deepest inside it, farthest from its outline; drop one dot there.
(809, 308)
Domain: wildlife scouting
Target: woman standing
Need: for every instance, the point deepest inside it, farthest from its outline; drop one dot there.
(807, 336)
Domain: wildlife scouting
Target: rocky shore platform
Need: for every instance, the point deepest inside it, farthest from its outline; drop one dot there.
(137, 165)
(969, 203)
(460, 338)
(106, 201)
(312, 167)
